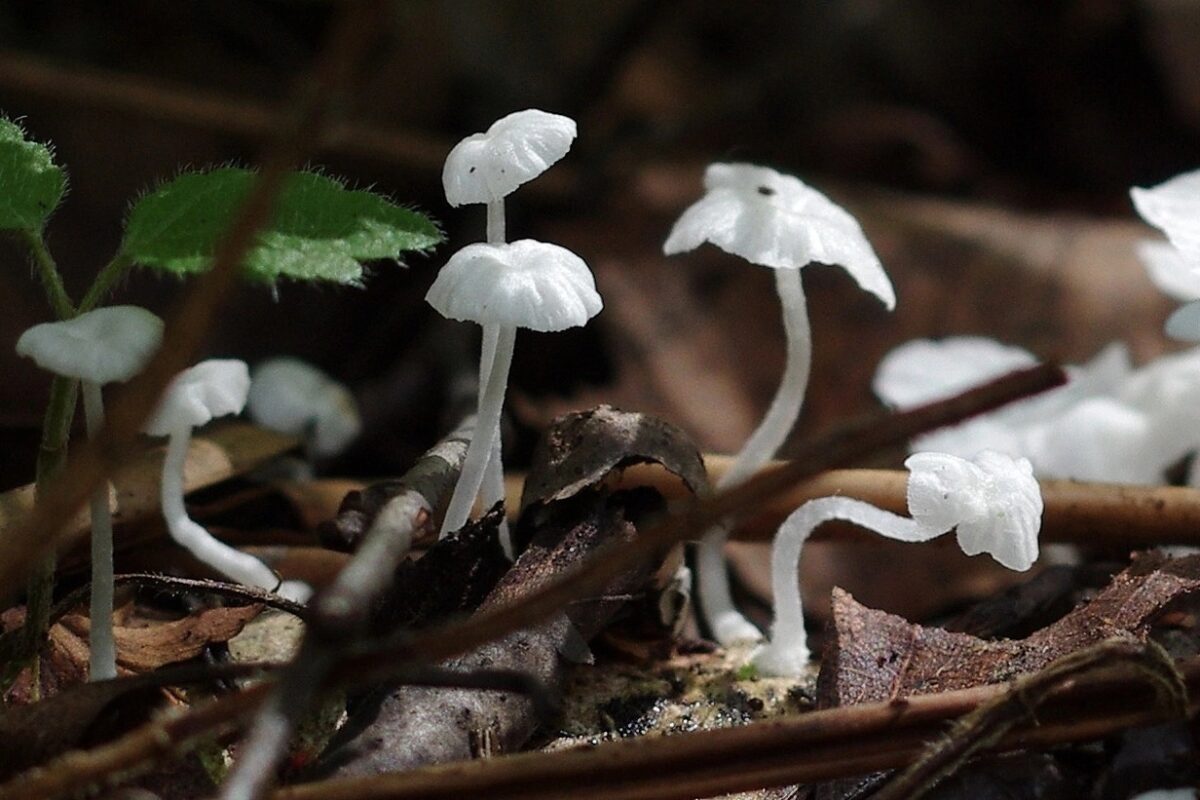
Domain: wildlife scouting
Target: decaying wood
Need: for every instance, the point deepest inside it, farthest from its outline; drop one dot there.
(225, 451)
(812, 747)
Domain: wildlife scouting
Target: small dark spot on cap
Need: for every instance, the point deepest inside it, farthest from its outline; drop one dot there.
(472, 169)
(766, 191)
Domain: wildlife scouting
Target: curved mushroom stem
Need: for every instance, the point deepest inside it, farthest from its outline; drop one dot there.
(241, 567)
(102, 657)
(712, 580)
(493, 489)
(487, 432)
(787, 652)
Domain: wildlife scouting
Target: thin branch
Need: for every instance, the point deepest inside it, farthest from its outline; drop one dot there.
(354, 30)
(820, 745)
(1118, 515)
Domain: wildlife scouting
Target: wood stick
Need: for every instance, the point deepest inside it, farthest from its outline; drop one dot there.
(820, 745)
(1117, 515)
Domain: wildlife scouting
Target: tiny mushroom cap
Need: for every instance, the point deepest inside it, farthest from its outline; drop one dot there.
(294, 397)
(1173, 274)
(993, 499)
(1174, 208)
(101, 346)
(525, 284)
(210, 389)
(486, 167)
(777, 221)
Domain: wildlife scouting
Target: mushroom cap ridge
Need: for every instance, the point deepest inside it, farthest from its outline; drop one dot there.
(777, 221)
(524, 284)
(212, 388)
(486, 167)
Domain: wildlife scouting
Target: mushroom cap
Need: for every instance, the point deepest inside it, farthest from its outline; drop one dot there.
(777, 221)
(293, 397)
(993, 499)
(1173, 274)
(209, 389)
(1174, 208)
(104, 345)
(1184, 323)
(525, 284)
(486, 167)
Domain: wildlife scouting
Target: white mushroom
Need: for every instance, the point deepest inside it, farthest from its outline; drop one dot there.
(525, 284)
(1174, 208)
(486, 168)
(98, 347)
(993, 500)
(210, 389)
(293, 397)
(776, 221)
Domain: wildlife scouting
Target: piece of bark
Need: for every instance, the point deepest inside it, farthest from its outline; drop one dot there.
(432, 477)
(875, 656)
(581, 448)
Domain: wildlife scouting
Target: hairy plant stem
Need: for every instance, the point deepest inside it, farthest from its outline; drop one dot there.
(48, 274)
(106, 279)
(52, 455)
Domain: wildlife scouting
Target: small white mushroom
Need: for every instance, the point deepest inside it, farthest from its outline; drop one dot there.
(775, 221)
(98, 347)
(525, 284)
(486, 168)
(210, 389)
(293, 397)
(1174, 208)
(993, 500)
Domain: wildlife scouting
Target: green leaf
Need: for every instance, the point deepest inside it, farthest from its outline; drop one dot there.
(320, 230)
(31, 184)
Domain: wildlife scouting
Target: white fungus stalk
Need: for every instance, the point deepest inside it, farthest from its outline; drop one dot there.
(487, 431)
(787, 653)
(102, 658)
(993, 500)
(239, 566)
(716, 600)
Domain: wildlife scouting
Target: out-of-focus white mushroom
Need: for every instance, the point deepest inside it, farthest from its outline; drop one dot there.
(775, 221)
(210, 389)
(1174, 208)
(293, 397)
(993, 500)
(525, 284)
(102, 346)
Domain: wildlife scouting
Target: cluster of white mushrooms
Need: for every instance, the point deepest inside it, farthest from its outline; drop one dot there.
(765, 217)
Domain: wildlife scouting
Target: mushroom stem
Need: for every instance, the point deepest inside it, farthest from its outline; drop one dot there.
(487, 431)
(495, 222)
(102, 657)
(787, 652)
(712, 580)
(241, 567)
(493, 489)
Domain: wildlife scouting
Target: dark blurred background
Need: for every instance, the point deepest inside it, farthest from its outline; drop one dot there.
(987, 147)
